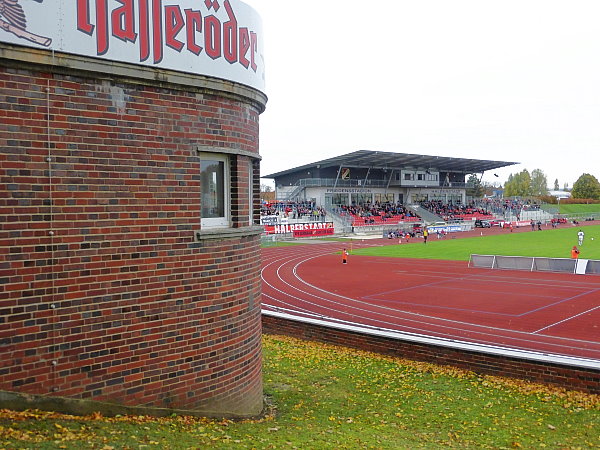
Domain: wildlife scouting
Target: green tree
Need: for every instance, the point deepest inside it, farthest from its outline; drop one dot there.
(478, 189)
(508, 186)
(539, 183)
(586, 186)
(518, 185)
(556, 185)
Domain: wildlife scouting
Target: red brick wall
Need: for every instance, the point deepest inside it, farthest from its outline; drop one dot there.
(580, 379)
(121, 304)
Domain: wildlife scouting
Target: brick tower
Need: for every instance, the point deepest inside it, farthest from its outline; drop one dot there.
(129, 181)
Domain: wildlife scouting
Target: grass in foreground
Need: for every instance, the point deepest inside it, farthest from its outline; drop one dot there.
(553, 243)
(329, 397)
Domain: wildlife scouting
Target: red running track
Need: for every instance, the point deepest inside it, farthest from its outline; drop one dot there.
(549, 313)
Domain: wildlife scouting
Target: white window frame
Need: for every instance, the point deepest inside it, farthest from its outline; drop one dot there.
(251, 191)
(225, 221)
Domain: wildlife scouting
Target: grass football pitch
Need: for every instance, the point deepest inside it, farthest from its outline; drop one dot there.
(553, 243)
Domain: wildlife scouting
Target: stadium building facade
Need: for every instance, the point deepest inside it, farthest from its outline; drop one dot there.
(366, 176)
(129, 198)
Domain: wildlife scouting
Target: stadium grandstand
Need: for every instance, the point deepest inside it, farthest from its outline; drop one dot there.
(373, 188)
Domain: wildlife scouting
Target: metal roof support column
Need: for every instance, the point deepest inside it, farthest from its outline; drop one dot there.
(367, 176)
(338, 176)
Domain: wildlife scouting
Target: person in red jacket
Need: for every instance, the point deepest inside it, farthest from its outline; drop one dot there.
(344, 256)
(574, 252)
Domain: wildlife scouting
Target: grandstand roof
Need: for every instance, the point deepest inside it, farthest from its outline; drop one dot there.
(388, 160)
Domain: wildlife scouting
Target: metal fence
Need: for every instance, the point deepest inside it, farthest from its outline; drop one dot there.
(535, 264)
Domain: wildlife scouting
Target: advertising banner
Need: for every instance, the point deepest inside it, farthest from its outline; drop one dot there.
(218, 38)
(302, 229)
(446, 228)
(523, 223)
(269, 220)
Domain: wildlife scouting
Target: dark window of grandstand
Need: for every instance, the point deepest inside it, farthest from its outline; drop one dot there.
(361, 199)
(383, 198)
(409, 176)
(420, 176)
(339, 199)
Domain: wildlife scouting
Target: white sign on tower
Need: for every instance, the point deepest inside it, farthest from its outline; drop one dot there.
(218, 38)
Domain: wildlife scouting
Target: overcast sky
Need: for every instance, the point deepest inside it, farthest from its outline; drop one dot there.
(506, 80)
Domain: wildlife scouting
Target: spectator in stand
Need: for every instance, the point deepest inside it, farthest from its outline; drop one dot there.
(295, 210)
(452, 211)
(371, 213)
